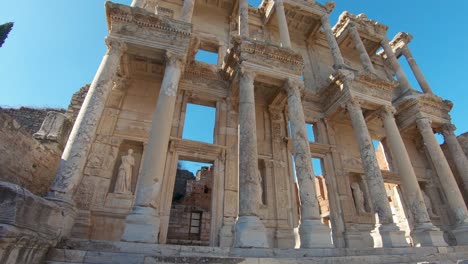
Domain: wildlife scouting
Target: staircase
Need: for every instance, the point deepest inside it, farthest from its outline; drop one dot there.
(107, 252)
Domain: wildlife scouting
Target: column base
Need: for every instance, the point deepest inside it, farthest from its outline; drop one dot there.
(69, 211)
(427, 235)
(250, 233)
(314, 234)
(461, 233)
(142, 225)
(388, 236)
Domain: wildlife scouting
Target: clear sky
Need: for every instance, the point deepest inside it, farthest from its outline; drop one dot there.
(56, 46)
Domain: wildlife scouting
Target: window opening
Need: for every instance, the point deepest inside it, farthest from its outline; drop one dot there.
(311, 132)
(207, 56)
(199, 123)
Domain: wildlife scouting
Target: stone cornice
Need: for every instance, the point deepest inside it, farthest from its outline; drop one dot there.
(117, 13)
(366, 26)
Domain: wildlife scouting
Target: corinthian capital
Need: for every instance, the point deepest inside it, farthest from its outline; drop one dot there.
(175, 60)
(293, 87)
(424, 123)
(115, 45)
(447, 129)
(387, 111)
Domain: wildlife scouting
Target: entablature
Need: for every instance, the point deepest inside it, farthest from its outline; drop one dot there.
(137, 26)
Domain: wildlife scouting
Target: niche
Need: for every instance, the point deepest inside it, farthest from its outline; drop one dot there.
(360, 194)
(126, 168)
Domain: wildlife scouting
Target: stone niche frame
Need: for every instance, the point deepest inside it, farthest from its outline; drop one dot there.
(124, 201)
(182, 149)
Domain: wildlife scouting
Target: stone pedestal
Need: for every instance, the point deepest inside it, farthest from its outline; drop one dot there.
(424, 233)
(313, 233)
(386, 233)
(447, 180)
(142, 225)
(250, 231)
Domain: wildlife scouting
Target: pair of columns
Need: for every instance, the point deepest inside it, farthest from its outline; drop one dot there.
(250, 231)
(386, 233)
(457, 153)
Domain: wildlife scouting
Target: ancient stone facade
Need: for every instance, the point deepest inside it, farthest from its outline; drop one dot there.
(281, 66)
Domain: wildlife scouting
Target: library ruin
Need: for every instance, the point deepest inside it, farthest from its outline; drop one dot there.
(321, 152)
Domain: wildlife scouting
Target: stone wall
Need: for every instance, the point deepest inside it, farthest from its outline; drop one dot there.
(24, 160)
(76, 102)
(29, 118)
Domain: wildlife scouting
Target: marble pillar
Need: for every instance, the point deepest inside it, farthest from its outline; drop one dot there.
(187, 11)
(137, 3)
(363, 55)
(142, 224)
(386, 232)
(396, 66)
(243, 18)
(250, 231)
(74, 156)
(334, 48)
(313, 233)
(456, 151)
(282, 24)
(447, 180)
(424, 232)
(416, 70)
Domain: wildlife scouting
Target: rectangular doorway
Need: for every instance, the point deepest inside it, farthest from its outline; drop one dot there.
(190, 216)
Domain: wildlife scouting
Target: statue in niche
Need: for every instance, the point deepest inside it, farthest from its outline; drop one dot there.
(428, 203)
(260, 187)
(124, 176)
(358, 198)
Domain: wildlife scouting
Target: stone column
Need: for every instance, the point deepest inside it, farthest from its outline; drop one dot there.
(137, 3)
(243, 18)
(187, 11)
(250, 231)
(142, 225)
(70, 170)
(416, 70)
(363, 55)
(335, 49)
(395, 64)
(386, 233)
(312, 232)
(424, 232)
(456, 151)
(447, 180)
(282, 24)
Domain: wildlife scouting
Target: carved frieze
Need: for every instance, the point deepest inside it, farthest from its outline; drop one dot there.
(137, 24)
(369, 27)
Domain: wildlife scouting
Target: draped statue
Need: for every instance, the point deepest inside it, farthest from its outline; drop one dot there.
(358, 197)
(124, 176)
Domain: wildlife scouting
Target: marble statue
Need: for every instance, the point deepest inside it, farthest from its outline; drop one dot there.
(358, 197)
(124, 176)
(428, 203)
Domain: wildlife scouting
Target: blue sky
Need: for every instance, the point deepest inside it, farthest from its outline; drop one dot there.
(56, 46)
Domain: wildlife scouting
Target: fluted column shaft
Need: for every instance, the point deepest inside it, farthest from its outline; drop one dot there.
(456, 151)
(416, 70)
(447, 180)
(363, 55)
(243, 18)
(70, 170)
(396, 66)
(405, 169)
(282, 24)
(335, 49)
(187, 11)
(370, 165)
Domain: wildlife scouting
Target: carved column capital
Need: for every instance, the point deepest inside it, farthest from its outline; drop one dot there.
(175, 60)
(352, 104)
(120, 83)
(387, 111)
(447, 129)
(293, 87)
(115, 45)
(424, 123)
(247, 74)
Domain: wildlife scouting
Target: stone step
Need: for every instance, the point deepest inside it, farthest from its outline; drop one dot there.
(106, 252)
